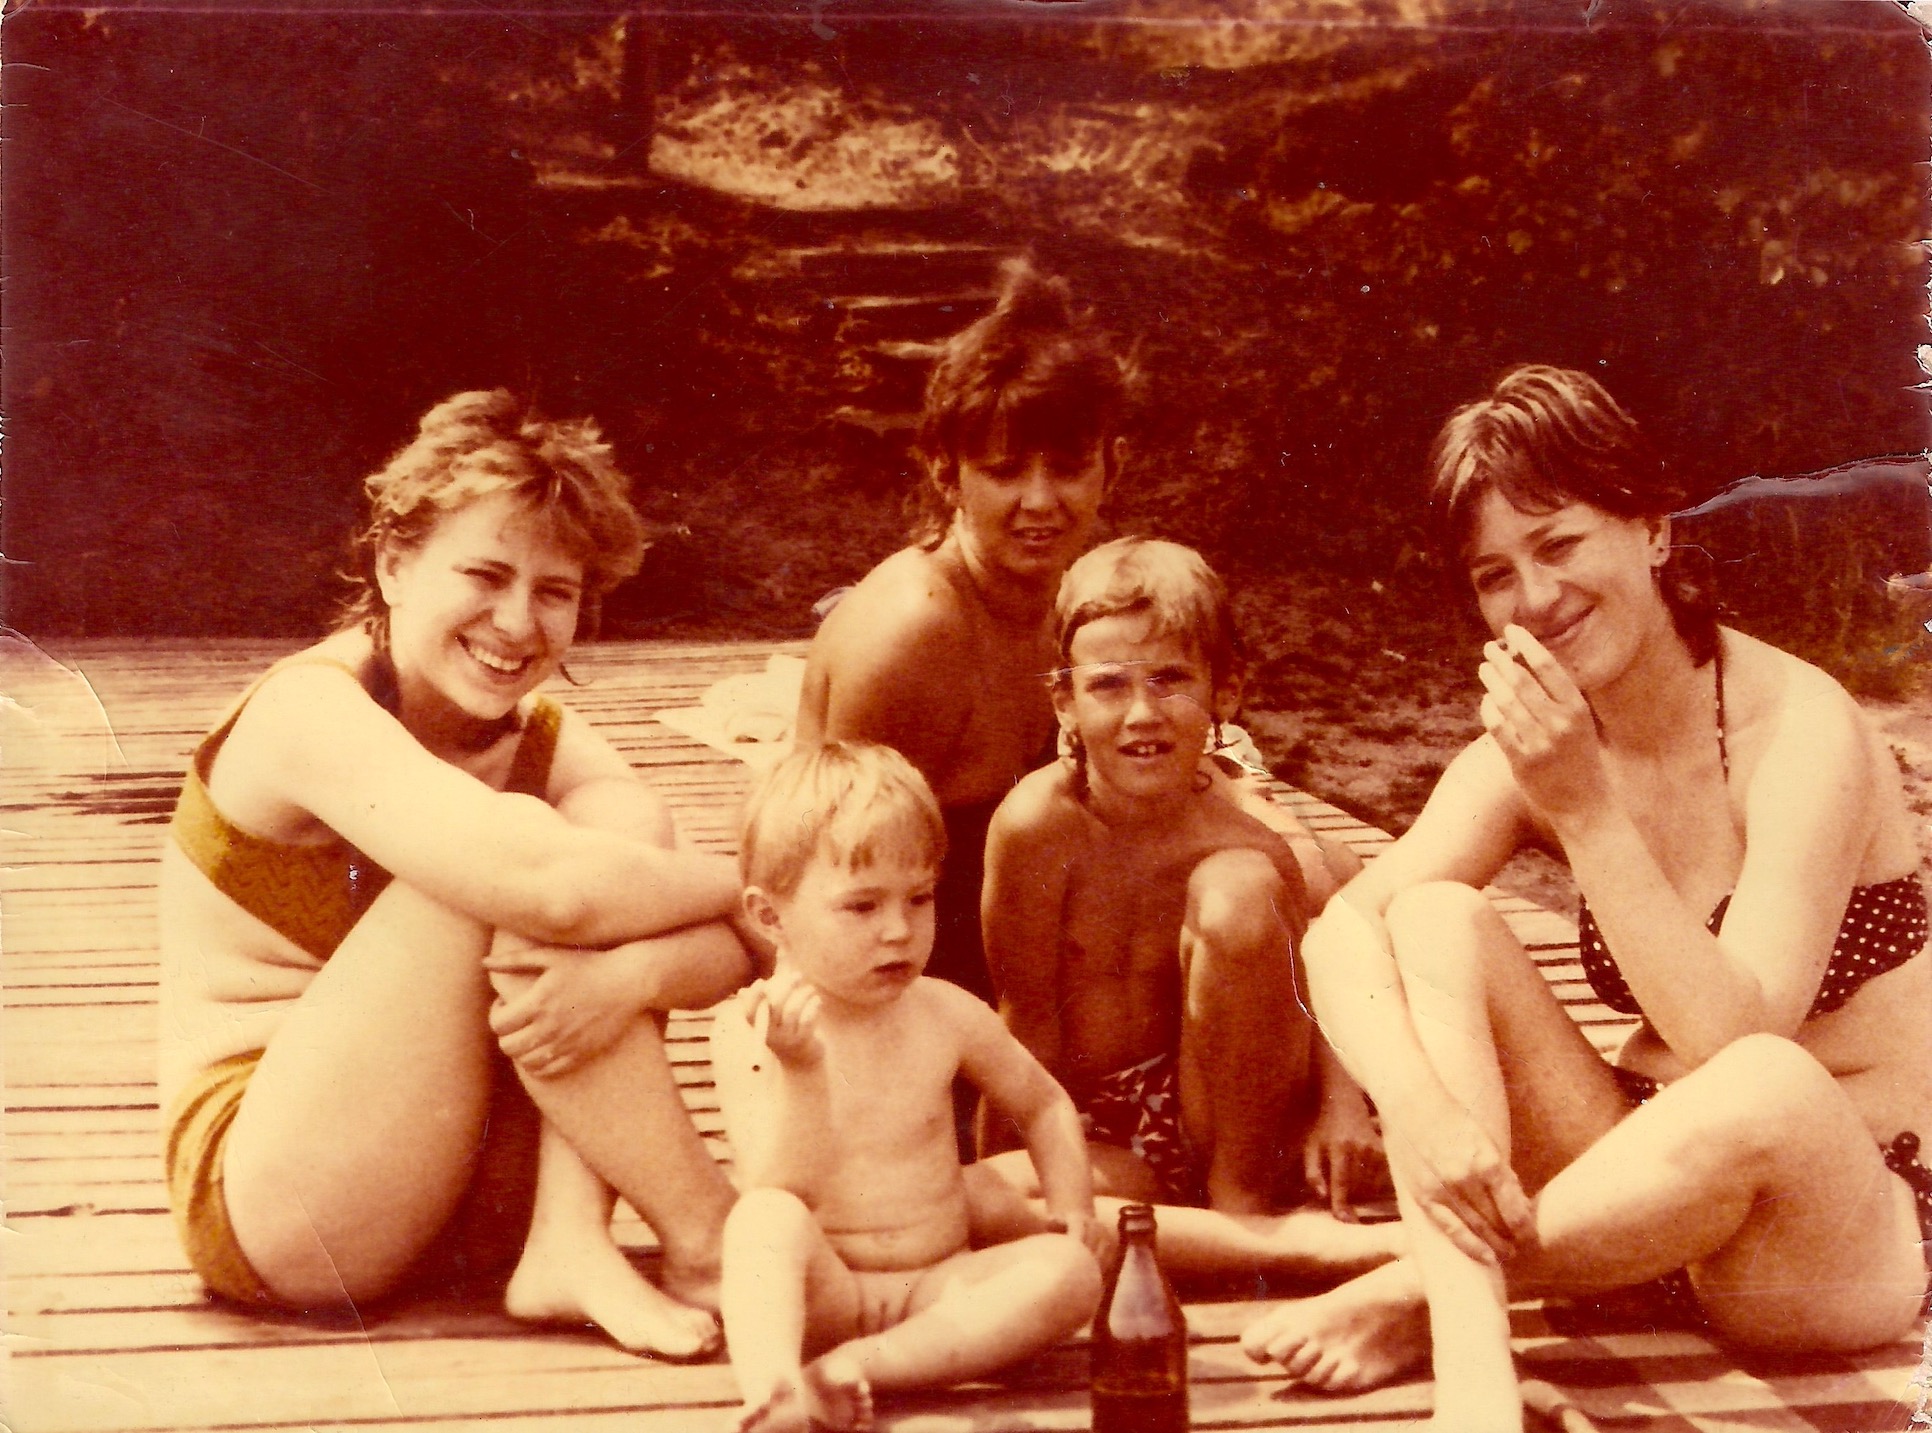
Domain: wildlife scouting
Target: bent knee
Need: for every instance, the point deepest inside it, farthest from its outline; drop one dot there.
(1442, 920)
(1767, 1075)
(1238, 901)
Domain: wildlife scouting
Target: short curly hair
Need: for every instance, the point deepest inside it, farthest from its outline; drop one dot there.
(1546, 437)
(482, 442)
(1030, 376)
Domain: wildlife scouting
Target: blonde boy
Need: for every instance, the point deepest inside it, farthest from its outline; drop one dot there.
(1143, 913)
(846, 1261)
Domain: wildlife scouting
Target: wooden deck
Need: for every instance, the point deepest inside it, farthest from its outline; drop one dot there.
(108, 1330)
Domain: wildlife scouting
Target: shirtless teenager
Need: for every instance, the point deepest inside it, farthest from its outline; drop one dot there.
(939, 651)
(1143, 913)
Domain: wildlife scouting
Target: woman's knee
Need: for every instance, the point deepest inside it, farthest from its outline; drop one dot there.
(1239, 905)
(1441, 923)
(1765, 1091)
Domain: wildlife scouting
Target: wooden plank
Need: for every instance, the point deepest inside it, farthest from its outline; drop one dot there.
(109, 1331)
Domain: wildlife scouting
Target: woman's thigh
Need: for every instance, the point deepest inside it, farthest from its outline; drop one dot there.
(359, 1129)
(1452, 943)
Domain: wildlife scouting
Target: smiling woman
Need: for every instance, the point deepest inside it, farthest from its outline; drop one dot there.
(1745, 858)
(943, 649)
(409, 903)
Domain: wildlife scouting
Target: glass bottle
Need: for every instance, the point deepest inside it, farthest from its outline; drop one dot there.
(1139, 1349)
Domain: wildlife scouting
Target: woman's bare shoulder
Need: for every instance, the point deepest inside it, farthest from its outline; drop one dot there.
(904, 616)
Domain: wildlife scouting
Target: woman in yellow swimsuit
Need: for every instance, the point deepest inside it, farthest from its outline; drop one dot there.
(394, 870)
(1747, 862)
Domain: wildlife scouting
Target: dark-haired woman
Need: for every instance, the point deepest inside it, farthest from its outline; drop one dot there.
(942, 650)
(393, 855)
(1746, 863)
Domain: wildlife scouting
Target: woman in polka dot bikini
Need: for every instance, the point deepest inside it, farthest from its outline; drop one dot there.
(1747, 864)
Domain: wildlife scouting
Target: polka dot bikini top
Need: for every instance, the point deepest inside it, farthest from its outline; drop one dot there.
(1885, 925)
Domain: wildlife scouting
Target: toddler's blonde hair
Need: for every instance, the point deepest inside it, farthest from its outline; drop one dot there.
(850, 802)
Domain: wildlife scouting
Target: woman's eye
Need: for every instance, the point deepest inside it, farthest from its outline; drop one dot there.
(1558, 548)
(922, 898)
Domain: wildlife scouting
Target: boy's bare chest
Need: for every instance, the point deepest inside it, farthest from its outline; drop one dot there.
(1124, 909)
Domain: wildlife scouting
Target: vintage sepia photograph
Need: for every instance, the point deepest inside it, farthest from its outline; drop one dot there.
(951, 715)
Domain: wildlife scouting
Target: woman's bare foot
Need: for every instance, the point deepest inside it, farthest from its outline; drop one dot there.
(1361, 1335)
(576, 1282)
(831, 1394)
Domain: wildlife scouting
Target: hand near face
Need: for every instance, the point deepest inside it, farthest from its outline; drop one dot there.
(785, 1010)
(1542, 723)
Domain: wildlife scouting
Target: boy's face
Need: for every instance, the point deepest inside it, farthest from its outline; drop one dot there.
(1030, 513)
(862, 936)
(1141, 704)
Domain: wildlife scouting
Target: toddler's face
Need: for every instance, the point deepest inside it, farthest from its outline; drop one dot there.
(860, 935)
(1142, 705)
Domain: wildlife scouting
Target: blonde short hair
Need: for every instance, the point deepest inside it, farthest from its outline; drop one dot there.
(1170, 584)
(851, 802)
(484, 442)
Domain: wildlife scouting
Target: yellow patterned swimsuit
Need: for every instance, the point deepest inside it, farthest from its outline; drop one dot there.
(311, 896)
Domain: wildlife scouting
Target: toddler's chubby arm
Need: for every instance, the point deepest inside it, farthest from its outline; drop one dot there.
(769, 1063)
(1020, 1088)
(1021, 907)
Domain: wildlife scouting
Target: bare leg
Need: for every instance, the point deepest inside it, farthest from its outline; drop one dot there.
(573, 1272)
(782, 1284)
(978, 1312)
(620, 1120)
(1754, 1170)
(1306, 1244)
(358, 1131)
(1245, 1032)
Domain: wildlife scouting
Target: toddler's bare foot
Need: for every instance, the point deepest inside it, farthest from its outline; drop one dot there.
(574, 1283)
(841, 1398)
(783, 1411)
(1361, 1335)
(832, 1394)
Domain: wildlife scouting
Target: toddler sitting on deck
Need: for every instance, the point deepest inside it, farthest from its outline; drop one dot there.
(846, 1259)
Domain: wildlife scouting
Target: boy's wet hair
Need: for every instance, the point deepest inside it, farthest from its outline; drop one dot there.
(850, 802)
(1547, 437)
(1029, 377)
(474, 445)
(1170, 584)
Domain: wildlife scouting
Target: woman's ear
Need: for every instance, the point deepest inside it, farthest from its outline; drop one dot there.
(390, 562)
(1659, 539)
(1117, 452)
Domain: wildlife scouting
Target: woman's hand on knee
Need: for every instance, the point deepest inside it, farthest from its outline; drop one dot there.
(1458, 1177)
(579, 1004)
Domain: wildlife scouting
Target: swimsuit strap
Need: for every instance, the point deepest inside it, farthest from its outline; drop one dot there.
(1723, 752)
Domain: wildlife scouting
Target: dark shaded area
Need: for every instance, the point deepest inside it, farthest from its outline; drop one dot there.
(245, 250)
